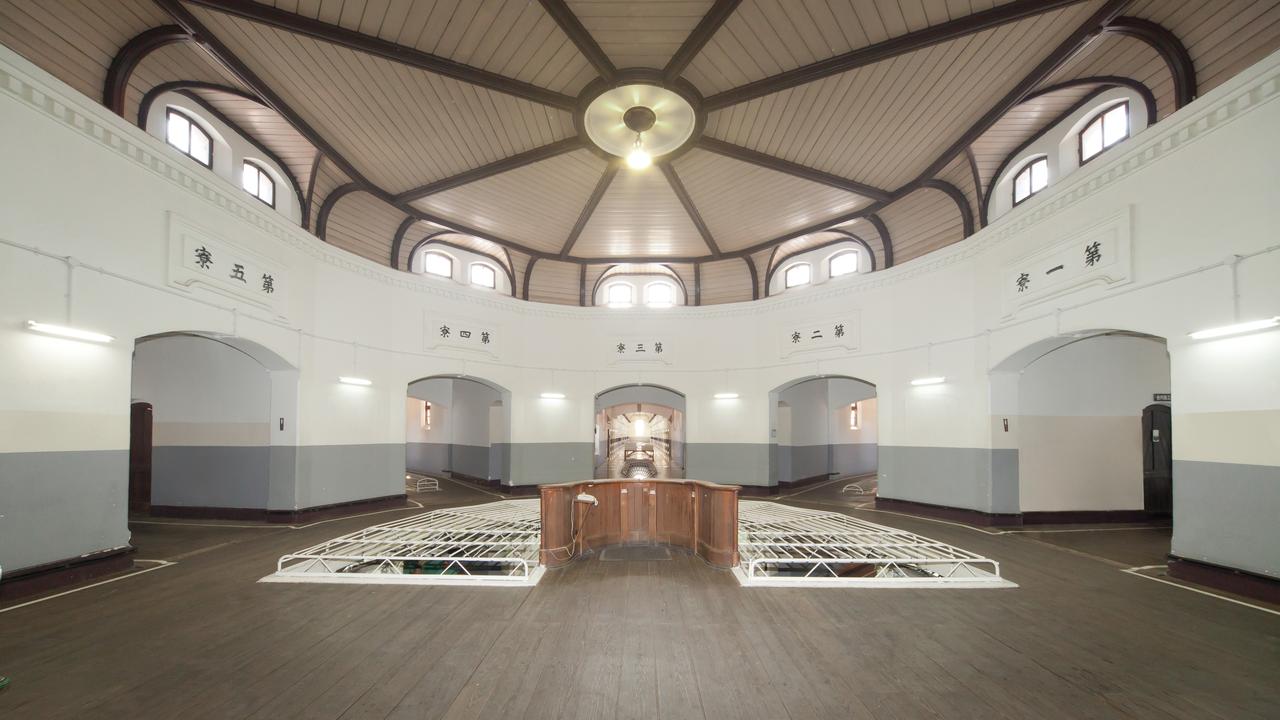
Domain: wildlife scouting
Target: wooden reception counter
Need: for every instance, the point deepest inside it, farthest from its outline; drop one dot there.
(692, 514)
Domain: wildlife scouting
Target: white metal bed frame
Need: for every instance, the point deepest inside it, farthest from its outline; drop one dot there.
(491, 544)
(776, 543)
(421, 483)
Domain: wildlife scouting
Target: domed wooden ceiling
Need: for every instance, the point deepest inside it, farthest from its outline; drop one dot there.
(877, 121)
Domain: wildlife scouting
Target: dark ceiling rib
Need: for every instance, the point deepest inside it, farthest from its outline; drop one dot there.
(1171, 50)
(132, 53)
(326, 207)
(942, 32)
(396, 242)
(1087, 31)
(678, 188)
(513, 162)
(962, 202)
(338, 35)
(771, 162)
(586, 44)
(755, 277)
(701, 35)
(972, 161)
(311, 191)
(697, 284)
(886, 241)
(528, 276)
(603, 185)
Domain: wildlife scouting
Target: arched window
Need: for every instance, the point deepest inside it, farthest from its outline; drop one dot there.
(435, 263)
(484, 276)
(1106, 129)
(798, 274)
(258, 183)
(619, 295)
(844, 263)
(1031, 179)
(659, 295)
(183, 133)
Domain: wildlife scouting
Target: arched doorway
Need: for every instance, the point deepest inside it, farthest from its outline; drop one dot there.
(1078, 412)
(821, 428)
(458, 427)
(639, 432)
(213, 428)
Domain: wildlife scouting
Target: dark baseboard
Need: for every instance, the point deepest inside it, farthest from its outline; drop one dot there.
(495, 484)
(943, 512)
(311, 514)
(1239, 582)
(793, 484)
(48, 576)
(757, 490)
(1088, 517)
(519, 490)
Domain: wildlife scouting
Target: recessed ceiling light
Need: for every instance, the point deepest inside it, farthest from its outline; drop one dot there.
(1236, 329)
(68, 332)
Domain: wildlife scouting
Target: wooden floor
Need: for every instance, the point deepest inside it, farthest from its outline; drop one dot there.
(633, 639)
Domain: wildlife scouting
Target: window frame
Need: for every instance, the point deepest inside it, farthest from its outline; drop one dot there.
(857, 263)
(446, 256)
(671, 289)
(471, 275)
(786, 275)
(855, 415)
(608, 294)
(1027, 168)
(192, 126)
(262, 175)
(1098, 118)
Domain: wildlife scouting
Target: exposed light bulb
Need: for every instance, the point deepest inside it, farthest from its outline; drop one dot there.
(639, 158)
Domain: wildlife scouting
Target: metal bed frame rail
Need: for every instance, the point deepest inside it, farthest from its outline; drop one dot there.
(491, 544)
(785, 546)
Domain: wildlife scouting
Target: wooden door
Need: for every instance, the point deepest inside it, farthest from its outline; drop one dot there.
(1157, 459)
(140, 457)
(637, 513)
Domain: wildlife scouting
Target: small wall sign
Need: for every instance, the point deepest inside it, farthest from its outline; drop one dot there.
(1162, 397)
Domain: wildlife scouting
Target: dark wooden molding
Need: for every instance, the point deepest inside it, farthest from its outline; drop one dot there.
(127, 58)
(528, 276)
(597, 194)
(215, 112)
(311, 190)
(845, 237)
(1086, 31)
(1077, 517)
(149, 98)
(886, 240)
(519, 160)
(1171, 50)
(755, 277)
(429, 237)
(220, 52)
(910, 42)
(580, 37)
(398, 240)
(1232, 580)
(673, 179)
(1105, 83)
(977, 183)
(582, 285)
(1148, 97)
(962, 202)
(36, 579)
(701, 35)
(385, 49)
(771, 162)
(697, 284)
(326, 207)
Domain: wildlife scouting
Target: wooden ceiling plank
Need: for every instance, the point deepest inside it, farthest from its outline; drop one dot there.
(587, 45)
(601, 187)
(697, 40)
(738, 152)
(338, 35)
(511, 162)
(678, 187)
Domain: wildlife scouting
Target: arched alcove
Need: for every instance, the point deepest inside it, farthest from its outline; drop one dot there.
(823, 427)
(458, 427)
(639, 432)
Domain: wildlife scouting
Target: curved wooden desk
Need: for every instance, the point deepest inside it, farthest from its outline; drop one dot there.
(700, 516)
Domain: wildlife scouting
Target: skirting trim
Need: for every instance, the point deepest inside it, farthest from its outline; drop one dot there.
(1239, 582)
(310, 514)
(793, 484)
(41, 578)
(944, 512)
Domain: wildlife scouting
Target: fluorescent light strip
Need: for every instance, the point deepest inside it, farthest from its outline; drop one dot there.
(929, 381)
(726, 396)
(68, 332)
(354, 381)
(552, 396)
(1236, 329)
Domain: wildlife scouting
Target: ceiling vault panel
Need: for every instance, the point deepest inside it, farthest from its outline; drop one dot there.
(639, 215)
(602, 186)
(673, 179)
(585, 43)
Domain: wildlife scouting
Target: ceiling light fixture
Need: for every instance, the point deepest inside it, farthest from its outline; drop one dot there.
(363, 382)
(552, 396)
(1235, 329)
(70, 333)
(639, 119)
(938, 380)
(726, 396)
(639, 158)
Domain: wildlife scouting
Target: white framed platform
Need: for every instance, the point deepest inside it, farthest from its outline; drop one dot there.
(785, 546)
(494, 544)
